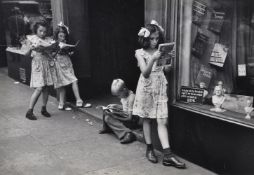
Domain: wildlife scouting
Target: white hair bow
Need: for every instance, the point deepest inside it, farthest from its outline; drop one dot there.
(61, 24)
(144, 32)
(157, 24)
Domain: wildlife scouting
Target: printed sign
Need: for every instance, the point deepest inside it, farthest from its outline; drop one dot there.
(241, 70)
(191, 95)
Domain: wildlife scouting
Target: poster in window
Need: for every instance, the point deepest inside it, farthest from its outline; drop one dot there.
(219, 54)
(198, 12)
(205, 75)
(216, 21)
(200, 45)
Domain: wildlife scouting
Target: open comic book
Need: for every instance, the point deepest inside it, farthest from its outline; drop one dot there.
(167, 53)
(67, 46)
(115, 109)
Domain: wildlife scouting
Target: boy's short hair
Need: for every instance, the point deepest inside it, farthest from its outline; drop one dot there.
(116, 86)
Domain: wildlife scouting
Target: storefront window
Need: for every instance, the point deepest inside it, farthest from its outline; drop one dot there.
(220, 55)
(19, 17)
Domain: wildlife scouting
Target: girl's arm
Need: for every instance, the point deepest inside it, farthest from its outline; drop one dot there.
(146, 68)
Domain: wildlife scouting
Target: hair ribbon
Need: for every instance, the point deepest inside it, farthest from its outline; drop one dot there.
(144, 32)
(157, 24)
(61, 24)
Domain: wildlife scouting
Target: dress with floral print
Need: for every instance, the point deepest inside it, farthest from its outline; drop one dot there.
(151, 93)
(63, 74)
(40, 70)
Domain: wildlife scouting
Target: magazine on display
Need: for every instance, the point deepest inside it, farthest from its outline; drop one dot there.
(218, 55)
(204, 75)
(167, 54)
(200, 45)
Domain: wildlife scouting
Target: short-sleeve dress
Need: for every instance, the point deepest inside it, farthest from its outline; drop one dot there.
(40, 70)
(64, 73)
(151, 93)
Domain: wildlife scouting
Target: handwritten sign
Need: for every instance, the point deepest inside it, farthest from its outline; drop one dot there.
(191, 95)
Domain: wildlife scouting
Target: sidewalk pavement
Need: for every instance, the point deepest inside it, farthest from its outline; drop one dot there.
(68, 143)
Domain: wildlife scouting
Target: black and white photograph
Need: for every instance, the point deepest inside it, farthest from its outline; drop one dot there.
(126, 87)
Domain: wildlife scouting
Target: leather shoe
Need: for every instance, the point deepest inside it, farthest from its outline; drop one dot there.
(171, 160)
(128, 138)
(30, 115)
(45, 113)
(151, 156)
(105, 130)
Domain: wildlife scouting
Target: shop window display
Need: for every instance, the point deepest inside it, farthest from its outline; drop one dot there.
(222, 56)
(19, 17)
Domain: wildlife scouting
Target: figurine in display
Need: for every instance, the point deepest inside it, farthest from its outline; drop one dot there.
(220, 83)
(218, 99)
(248, 109)
(202, 85)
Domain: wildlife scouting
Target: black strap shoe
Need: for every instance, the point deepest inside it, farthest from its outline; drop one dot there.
(151, 156)
(44, 112)
(30, 115)
(171, 160)
(128, 138)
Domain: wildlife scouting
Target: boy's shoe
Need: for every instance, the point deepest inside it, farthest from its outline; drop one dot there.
(128, 138)
(30, 115)
(105, 131)
(171, 160)
(150, 155)
(44, 112)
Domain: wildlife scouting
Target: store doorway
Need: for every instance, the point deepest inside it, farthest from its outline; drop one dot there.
(113, 40)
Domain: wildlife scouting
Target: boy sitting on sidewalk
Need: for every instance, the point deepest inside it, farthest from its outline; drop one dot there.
(119, 118)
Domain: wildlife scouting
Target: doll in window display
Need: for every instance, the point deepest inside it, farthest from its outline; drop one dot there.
(217, 99)
(248, 109)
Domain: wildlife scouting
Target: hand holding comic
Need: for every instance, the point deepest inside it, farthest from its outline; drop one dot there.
(167, 54)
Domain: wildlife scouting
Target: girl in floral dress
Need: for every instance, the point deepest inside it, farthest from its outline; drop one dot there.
(151, 93)
(64, 73)
(40, 72)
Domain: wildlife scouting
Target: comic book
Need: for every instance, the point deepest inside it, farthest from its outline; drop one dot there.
(63, 45)
(167, 53)
(116, 110)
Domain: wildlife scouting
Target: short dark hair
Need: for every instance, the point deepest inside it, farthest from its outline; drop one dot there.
(61, 29)
(38, 24)
(145, 41)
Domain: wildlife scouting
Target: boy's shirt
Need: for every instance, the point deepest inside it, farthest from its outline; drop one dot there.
(128, 102)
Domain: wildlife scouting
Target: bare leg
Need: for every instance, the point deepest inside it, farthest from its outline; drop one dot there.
(45, 95)
(34, 98)
(168, 158)
(147, 130)
(62, 93)
(150, 155)
(76, 90)
(163, 132)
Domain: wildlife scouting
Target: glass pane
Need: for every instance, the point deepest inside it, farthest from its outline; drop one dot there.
(19, 17)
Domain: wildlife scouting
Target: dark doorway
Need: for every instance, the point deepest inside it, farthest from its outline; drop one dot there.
(113, 40)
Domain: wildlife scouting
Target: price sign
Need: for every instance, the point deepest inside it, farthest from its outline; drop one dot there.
(191, 95)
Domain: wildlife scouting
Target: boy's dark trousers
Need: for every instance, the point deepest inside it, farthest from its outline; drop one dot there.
(119, 125)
